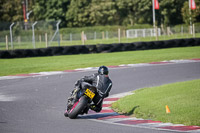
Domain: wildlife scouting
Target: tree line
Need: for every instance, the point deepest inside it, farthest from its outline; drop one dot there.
(79, 13)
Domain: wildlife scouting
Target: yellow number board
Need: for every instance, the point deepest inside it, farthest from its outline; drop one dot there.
(89, 93)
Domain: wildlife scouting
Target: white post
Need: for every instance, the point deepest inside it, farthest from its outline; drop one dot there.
(6, 42)
(11, 39)
(40, 38)
(190, 17)
(70, 36)
(182, 30)
(193, 27)
(154, 18)
(156, 33)
(119, 35)
(82, 37)
(57, 29)
(33, 37)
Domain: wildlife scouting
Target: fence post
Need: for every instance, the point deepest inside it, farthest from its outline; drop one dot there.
(168, 31)
(119, 35)
(57, 29)
(56, 32)
(46, 40)
(6, 42)
(82, 38)
(40, 38)
(193, 27)
(156, 33)
(190, 30)
(182, 30)
(11, 39)
(103, 35)
(33, 36)
(70, 36)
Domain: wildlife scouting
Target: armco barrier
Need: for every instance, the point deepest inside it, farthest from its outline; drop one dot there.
(100, 48)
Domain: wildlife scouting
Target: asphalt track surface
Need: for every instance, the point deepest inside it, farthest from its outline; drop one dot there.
(37, 104)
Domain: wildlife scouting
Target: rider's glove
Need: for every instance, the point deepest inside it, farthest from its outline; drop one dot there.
(77, 83)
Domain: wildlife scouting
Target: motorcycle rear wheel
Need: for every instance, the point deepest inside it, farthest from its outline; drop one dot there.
(78, 107)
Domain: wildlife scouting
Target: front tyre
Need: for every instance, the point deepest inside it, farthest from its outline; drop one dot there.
(66, 114)
(78, 107)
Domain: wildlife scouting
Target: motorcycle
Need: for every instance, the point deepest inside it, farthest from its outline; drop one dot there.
(85, 98)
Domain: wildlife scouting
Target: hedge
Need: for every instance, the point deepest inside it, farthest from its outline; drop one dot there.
(100, 48)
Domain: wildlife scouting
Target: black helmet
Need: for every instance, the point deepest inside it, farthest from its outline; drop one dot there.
(103, 70)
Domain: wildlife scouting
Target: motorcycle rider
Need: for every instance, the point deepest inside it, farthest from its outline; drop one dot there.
(99, 80)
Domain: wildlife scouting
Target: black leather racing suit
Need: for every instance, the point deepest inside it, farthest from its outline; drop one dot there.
(103, 85)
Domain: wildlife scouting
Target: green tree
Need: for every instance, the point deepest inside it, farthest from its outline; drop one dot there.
(91, 12)
(77, 14)
(194, 14)
(103, 12)
(11, 10)
(126, 12)
(170, 12)
(135, 11)
(144, 14)
(51, 10)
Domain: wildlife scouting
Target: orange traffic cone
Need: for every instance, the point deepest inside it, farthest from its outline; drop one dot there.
(167, 109)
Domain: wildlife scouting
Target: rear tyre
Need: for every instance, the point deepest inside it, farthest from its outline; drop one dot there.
(78, 107)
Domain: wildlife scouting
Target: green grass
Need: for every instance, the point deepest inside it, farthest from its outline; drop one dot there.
(149, 103)
(59, 63)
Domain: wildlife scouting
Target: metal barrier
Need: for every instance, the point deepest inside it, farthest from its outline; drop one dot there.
(42, 34)
(30, 35)
(134, 33)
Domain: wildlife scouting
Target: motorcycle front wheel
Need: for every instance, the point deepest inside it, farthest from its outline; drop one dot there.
(78, 107)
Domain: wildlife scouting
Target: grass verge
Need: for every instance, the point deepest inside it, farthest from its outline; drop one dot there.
(67, 62)
(149, 103)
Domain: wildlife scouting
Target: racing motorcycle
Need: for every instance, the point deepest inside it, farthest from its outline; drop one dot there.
(82, 105)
